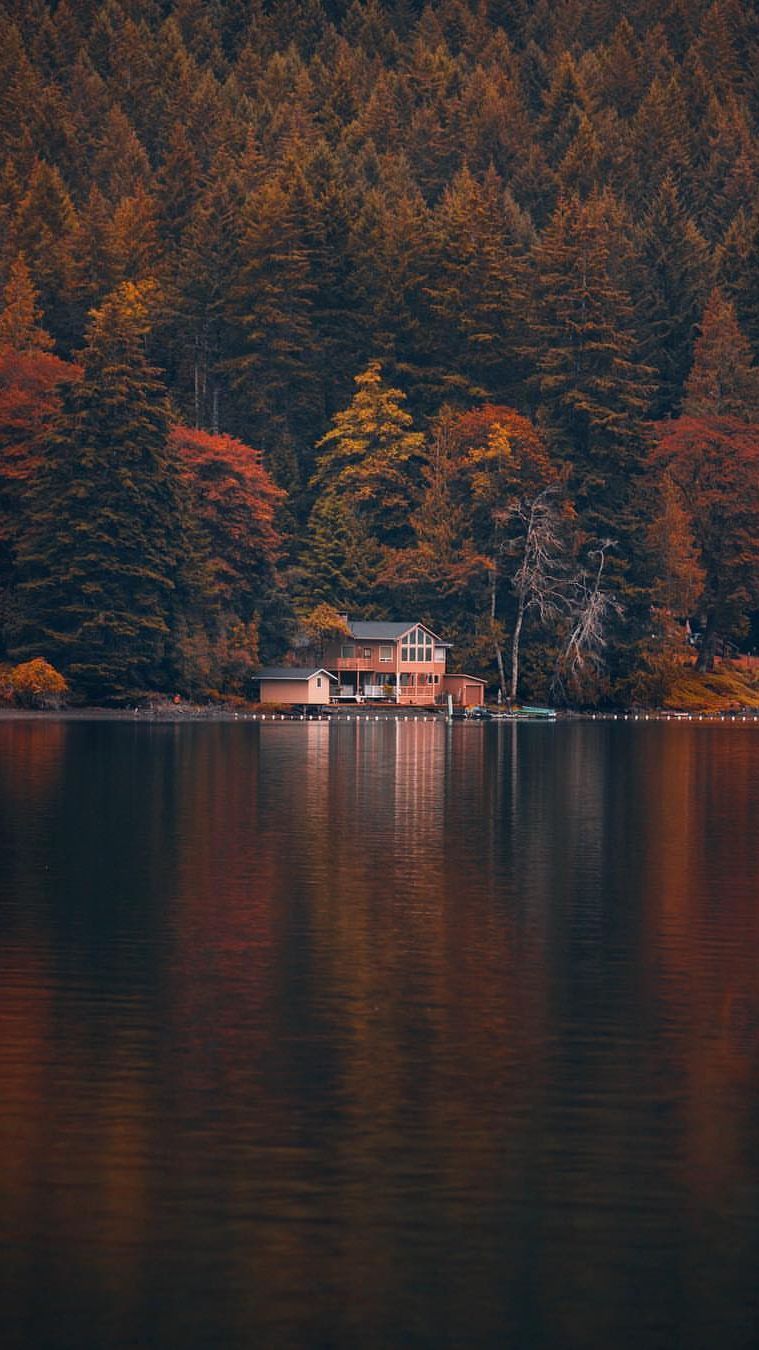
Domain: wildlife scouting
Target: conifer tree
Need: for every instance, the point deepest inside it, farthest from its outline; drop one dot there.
(102, 559)
(477, 289)
(712, 453)
(565, 104)
(21, 316)
(341, 562)
(724, 382)
(30, 378)
(369, 458)
(44, 228)
(593, 387)
(271, 305)
(738, 270)
(675, 271)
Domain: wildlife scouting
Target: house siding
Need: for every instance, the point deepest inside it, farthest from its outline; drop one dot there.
(296, 691)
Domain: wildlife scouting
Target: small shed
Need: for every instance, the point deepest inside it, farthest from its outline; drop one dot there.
(294, 684)
(467, 691)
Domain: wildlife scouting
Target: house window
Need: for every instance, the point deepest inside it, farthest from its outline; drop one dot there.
(440, 653)
(318, 681)
(417, 646)
(366, 651)
(385, 652)
(347, 651)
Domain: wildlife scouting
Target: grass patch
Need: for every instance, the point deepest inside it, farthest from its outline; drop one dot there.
(727, 688)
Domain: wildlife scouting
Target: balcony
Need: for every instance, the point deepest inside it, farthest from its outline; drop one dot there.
(358, 663)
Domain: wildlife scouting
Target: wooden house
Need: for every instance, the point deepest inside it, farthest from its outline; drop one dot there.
(376, 662)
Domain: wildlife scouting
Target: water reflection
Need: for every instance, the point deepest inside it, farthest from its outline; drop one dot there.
(379, 1034)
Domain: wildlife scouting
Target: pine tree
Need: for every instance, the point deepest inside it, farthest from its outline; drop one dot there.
(30, 379)
(271, 306)
(591, 383)
(738, 272)
(724, 382)
(477, 290)
(565, 105)
(369, 458)
(21, 317)
(44, 229)
(711, 453)
(103, 555)
(674, 276)
(341, 563)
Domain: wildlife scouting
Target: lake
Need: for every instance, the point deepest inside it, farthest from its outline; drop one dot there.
(379, 1035)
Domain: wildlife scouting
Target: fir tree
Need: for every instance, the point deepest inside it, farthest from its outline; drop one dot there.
(102, 558)
(673, 281)
(271, 304)
(724, 382)
(593, 387)
(369, 456)
(21, 316)
(341, 562)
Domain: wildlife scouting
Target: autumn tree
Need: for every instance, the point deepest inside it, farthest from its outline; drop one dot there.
(368, 459)
(234, 505)
(712, 454)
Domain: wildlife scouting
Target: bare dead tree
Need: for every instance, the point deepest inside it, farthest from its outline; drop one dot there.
(583, 654)
(540, 582)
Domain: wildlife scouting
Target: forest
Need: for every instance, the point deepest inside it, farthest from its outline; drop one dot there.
(447, 311)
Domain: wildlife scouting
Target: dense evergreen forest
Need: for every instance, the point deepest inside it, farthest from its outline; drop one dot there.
(445, 311)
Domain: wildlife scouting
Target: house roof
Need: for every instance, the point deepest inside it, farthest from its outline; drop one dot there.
(292, 673)
(386, 632)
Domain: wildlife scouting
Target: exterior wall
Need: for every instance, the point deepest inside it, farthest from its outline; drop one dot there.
(296, 691)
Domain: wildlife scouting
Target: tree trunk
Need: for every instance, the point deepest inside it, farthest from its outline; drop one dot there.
(515, 649)
(708, 651)
(496, 644)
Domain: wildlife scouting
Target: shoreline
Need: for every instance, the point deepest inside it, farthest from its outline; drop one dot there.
(196, 714)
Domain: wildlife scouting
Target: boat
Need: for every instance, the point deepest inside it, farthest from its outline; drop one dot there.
(526, 712)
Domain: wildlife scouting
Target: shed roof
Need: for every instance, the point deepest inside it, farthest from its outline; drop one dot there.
(456, 675)
(292, 673)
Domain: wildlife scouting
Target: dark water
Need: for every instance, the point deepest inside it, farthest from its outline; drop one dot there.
(379, 1036)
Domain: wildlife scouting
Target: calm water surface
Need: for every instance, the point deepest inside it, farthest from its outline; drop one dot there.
(379, 1035)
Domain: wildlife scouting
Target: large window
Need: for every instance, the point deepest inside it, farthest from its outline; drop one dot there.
(347, 651)
(417, 646)
(386, 652)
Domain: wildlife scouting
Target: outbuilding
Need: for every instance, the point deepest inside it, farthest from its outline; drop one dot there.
(467, 691)
(294, 684)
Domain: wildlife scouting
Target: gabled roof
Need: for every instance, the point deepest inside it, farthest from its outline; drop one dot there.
(387, 632)
(292, 673)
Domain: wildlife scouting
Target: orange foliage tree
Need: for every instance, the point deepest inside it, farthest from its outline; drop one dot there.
(715, 463)
(234, 502)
